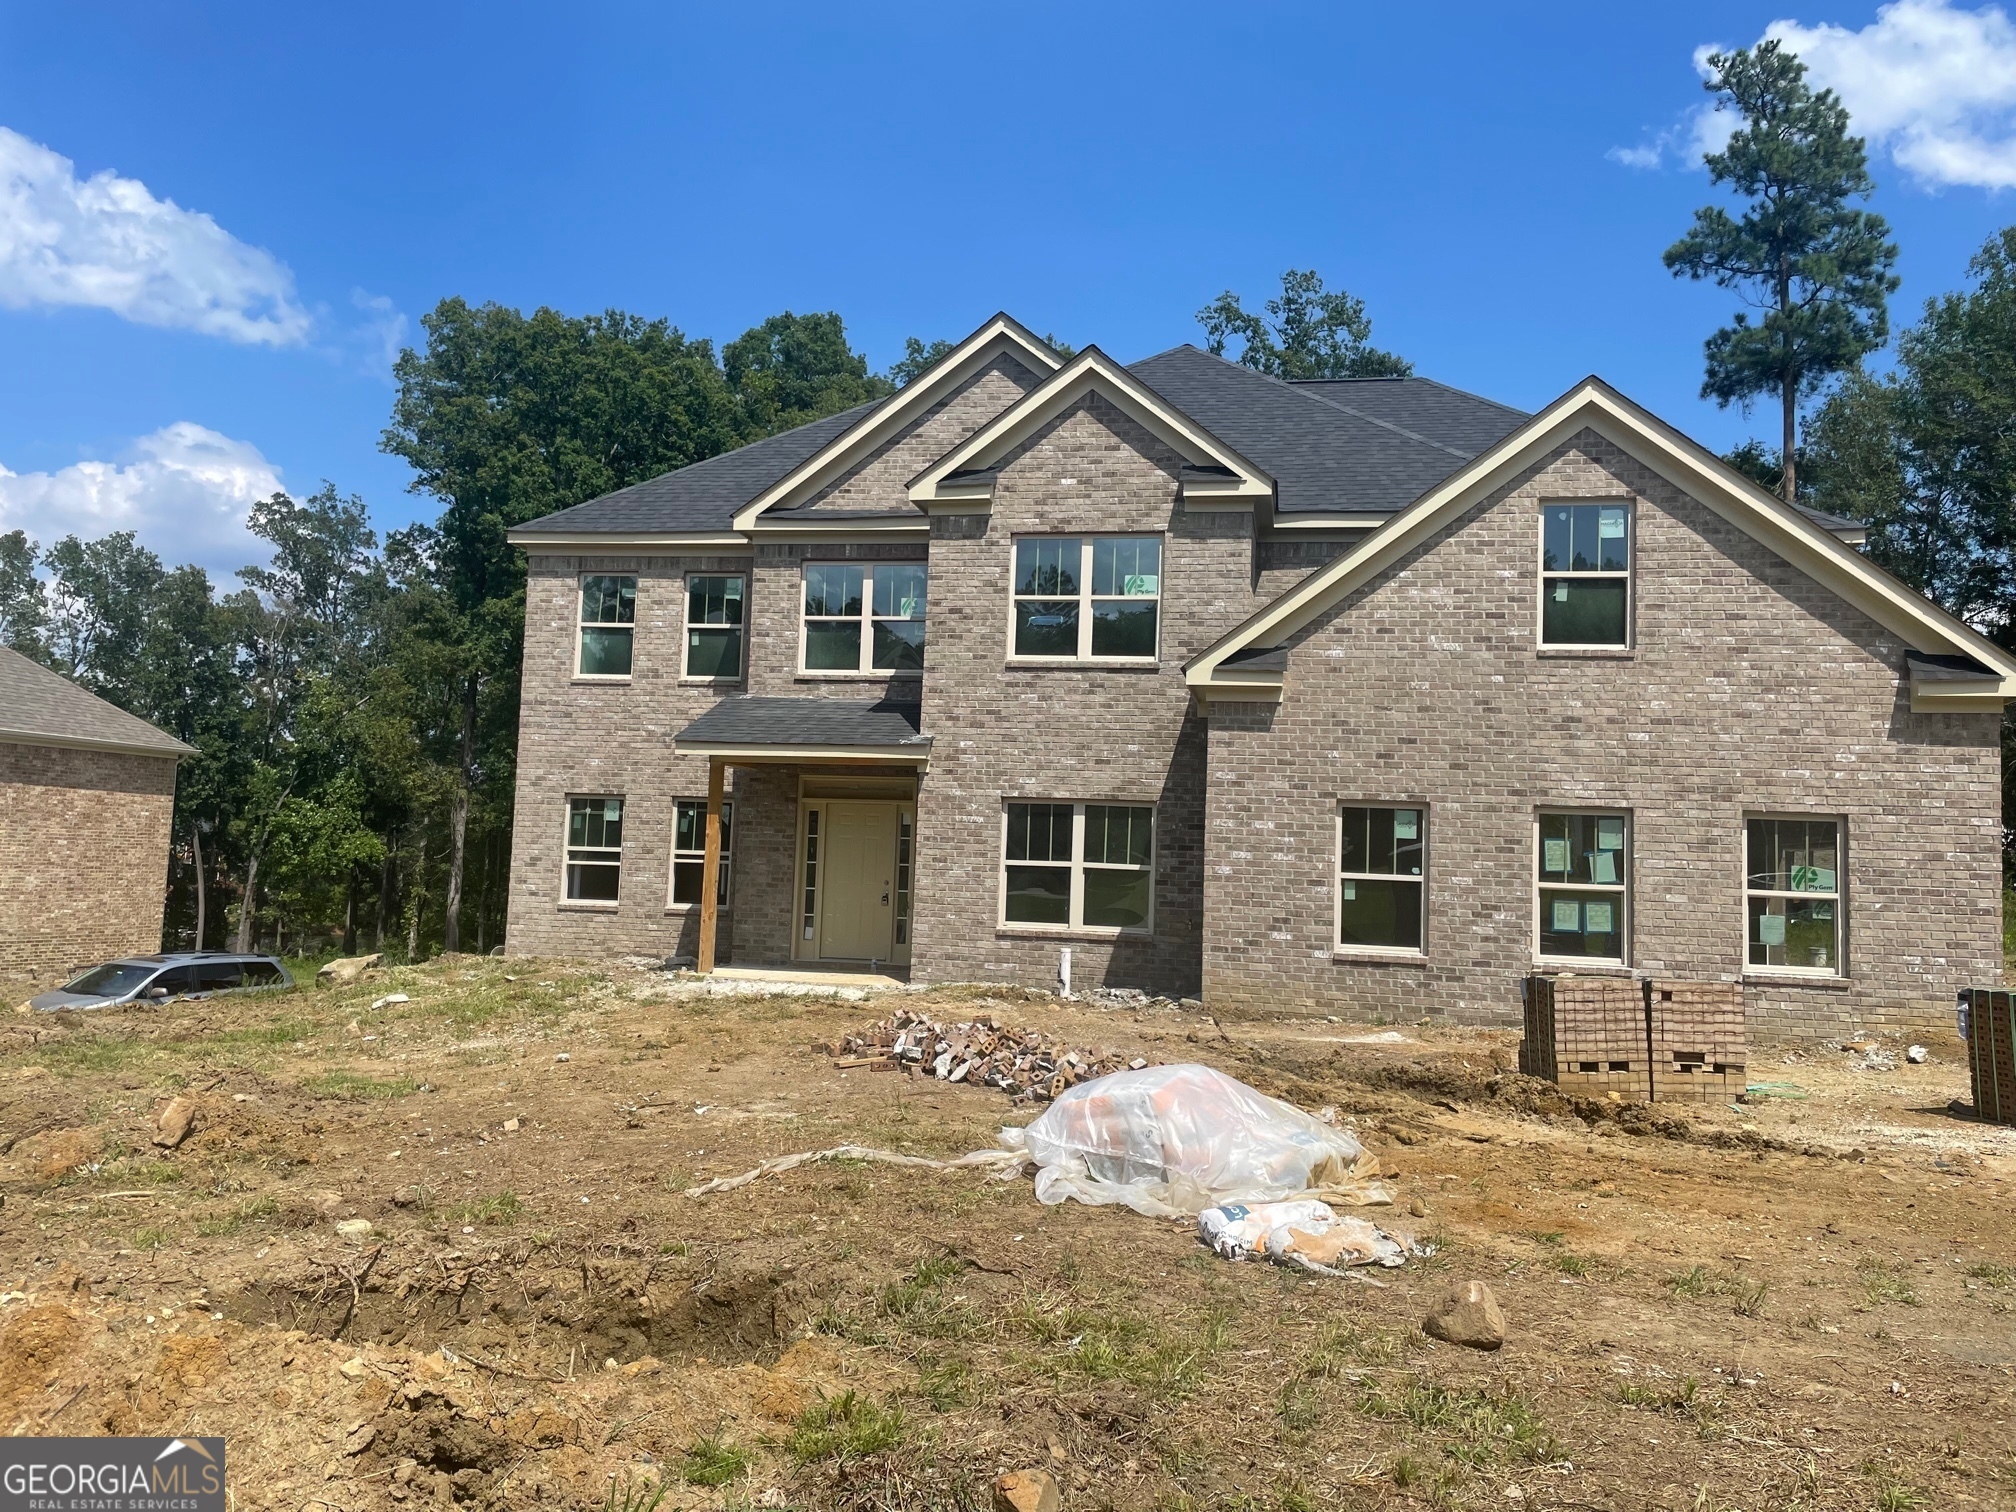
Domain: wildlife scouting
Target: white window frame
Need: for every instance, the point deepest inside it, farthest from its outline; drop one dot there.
(1337, 942)
(1621, 888)
(568, 850)
(1078, 866)
(583, 624)
(1088, 546)
(687, 627)
(866, 619)
(1839, 897)
(721, 890)
(1547, 574)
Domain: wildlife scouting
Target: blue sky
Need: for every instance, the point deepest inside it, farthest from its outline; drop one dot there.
(1496, 182)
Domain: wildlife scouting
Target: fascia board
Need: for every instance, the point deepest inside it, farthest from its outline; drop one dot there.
(846, 451)
(753, 755)
(172, 752)
(590, 542)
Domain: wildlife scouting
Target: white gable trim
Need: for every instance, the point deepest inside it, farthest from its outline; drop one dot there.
(1594, 405)
(1091, 371)
(847, 451)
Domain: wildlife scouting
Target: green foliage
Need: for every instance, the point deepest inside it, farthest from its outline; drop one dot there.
(795, 368)
(352, 1087)
(1816, 271)
(715, 1462)
(1308, 332)
(1883, 1283)
(846, 1427)
(495, 1211)
(1476, 1427)
(917, 359)
(629, 1496)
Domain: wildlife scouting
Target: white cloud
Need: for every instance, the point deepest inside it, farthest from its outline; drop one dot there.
(107, 243)
(382, 334)
(185, 491)
(1931, 85)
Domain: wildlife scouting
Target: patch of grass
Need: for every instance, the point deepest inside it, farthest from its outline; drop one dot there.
(1695, 1281)
(1298, 1407)
(252, 1210)
(1750, 1297)
(1571, 1265)
(1700, 1281)
(1683, 1398)
(1883, 1283)
(1476, 1427)
(714, 1461)
(1991, 1274)
(628, 1497)
(495, 1211)
(92, 1054)
(849, 1426)
(1343, 1347)
(947, 1385)
(150, 1238)
(351, 1086)
(1892, 1494)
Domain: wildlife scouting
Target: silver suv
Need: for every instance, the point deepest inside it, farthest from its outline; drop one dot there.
(157, 978)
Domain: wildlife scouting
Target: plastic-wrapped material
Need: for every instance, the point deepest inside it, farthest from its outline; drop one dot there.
(1305, 1234)
(1172, 1140)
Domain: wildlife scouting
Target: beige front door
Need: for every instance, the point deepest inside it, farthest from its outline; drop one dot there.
(858, 892)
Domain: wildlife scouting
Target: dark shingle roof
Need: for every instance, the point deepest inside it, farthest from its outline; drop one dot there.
(1427, 408)
(746, 721)
(706, 495)
(38, 706)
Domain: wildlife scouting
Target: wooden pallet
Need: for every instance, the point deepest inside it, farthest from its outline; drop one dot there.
(1990, 1013)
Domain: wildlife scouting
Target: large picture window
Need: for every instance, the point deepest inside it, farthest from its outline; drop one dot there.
(1584, 891)
(1087, 597)
(1078, 866)
(608, 626)
(1585, 574)
(594, 849)
(1381, 861)
(714, 608)
(864, 617)
(1792, 895)
(689, 851)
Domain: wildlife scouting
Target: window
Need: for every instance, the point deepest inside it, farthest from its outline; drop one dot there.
(689, 851)
(714, 627)
(218, 976)
(1380, 853)
(173, 982)
(1078, 865)
(594, 849)
(905, 844)
(1585, 869)
(608, 624)
(1092, 596)
(1792, 893)
(262, 974)
(811, 905)
(1585, 567)
(864, 617)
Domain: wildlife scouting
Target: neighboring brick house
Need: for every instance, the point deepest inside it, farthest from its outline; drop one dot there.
(1344, 696)
(86, 795)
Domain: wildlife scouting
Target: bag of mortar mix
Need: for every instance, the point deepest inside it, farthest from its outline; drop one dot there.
(1174, 1140)
(1305, 1234)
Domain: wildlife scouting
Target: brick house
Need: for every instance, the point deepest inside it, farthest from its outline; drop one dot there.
(87, 793)
(1345, 696)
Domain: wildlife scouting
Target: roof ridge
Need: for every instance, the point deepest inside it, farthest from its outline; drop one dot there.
(1447, 388)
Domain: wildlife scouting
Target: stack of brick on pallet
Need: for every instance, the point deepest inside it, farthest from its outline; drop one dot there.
(1698, 1042)
(1588, 1035)
(1989, 1015)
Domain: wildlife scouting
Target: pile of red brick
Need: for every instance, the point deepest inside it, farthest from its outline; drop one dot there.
(1021, 1062)
(1659, 1040)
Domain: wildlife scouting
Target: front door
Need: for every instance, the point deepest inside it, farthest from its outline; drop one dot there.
(858, 891)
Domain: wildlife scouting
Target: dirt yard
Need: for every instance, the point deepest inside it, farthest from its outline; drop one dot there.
(1805, 1302)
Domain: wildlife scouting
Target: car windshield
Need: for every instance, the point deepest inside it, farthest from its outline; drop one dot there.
(110, 981)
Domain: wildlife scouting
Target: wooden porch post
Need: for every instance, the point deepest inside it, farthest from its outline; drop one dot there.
(710, 868)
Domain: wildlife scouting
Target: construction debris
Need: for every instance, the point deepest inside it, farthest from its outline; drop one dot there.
(1025, 1064)
(1003, 1163)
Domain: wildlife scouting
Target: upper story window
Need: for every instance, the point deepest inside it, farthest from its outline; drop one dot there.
(608, 626)
(1585, 879)
(714, 603)
(1792, 893)
(594, 849)
(1088, 597)
(865, 617)
(1585, 574)
(1380, 858)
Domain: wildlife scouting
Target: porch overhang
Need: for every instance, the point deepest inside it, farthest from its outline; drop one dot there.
(752, 731)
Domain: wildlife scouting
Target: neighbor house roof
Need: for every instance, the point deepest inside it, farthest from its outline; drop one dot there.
(792, 728)
(40, 707)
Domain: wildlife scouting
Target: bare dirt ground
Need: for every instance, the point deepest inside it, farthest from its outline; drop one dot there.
(1808, 1302)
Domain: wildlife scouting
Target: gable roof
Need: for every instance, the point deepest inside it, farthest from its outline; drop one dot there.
(40, 707)
(1592, 404)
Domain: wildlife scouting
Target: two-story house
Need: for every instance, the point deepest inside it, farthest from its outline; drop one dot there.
(1349, 696)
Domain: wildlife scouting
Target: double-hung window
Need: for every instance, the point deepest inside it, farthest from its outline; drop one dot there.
(714, 605)
(1585, 574)
(1792, 895)
(1584, 887)
(1381, 855)
(1078, 866)
(865, 617)
(689, 851)
(594, 849)
(1087, 597)
(608, 626)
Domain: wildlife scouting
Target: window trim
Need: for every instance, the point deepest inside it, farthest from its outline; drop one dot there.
(582, 625)
(567, 848)
(723, 891)
(1630, 574)
(1839, 970)
(1339, 877)
(1078, 866)
(1623, 889)
(1086, 598)
(687, 627)
(866, 671)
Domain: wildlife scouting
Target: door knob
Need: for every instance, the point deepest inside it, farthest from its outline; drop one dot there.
(885, 900)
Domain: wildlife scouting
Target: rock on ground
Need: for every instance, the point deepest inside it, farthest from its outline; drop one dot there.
(1027, 1491)
(344, 970)
(176, 1123)
(1466, 1314)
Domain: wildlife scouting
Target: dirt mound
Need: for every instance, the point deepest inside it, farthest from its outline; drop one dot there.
(35, 1343)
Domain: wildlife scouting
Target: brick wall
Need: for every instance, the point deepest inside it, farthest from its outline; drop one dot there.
(83, 856)
(1750, 688)
(776, 609)
(882, 482)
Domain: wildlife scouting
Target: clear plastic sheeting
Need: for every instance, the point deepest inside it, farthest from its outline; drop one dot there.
(1169, 1141)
